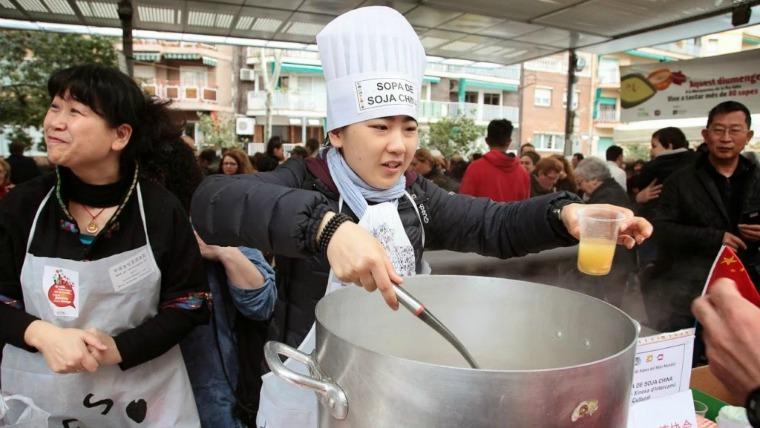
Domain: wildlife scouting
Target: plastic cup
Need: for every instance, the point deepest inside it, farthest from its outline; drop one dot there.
(599, 229)
(700, 408)
(732, 417)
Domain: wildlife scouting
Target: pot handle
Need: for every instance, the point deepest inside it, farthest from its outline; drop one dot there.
(330, 394)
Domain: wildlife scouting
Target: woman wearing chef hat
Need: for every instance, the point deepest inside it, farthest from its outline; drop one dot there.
(353, 215)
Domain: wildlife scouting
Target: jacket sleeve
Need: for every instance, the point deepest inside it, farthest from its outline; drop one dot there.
(13, 318)
(646, 176)
(256, 304)
(182, 304)
(268, 211)
(468, 224)
(669, 224)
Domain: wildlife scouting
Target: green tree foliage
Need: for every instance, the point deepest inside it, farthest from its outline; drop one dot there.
(452, 136)
(218, 130)
(28, 58)
(634, 151)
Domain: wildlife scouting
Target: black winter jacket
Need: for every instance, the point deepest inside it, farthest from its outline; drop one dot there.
(280, 212)
(690, 221)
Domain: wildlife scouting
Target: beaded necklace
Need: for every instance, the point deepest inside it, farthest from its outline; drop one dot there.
(66, 212)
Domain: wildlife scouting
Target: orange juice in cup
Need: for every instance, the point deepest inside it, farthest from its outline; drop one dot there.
(598, 237)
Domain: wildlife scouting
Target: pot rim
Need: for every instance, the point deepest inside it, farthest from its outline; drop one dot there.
(634, 324)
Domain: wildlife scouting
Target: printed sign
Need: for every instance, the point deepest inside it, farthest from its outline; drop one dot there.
(61, 286)
(662, 365)
(673, 411)
(690, 88)
(375, 93)
(131, 271)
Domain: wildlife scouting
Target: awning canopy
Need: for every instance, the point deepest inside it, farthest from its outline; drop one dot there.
(287, 67)
(482, 84)
(478, 30)
(147, 56)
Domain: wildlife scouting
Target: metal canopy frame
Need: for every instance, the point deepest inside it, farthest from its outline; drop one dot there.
(491, 31)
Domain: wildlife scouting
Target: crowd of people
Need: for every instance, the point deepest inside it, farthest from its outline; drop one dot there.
(127, 278)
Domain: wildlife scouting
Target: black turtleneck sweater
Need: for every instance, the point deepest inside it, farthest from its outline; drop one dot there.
(171, 238)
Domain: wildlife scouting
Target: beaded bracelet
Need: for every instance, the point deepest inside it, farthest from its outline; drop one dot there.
(330, 228)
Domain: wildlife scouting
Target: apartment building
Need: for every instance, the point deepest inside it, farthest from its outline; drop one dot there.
(544, 101)
(450, 88)
(197, 77)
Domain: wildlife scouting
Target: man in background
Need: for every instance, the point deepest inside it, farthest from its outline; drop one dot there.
(23, 168)
(616, 162)
(497, 175)
(712, 201)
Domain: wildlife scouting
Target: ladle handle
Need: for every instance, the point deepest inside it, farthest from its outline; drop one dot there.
(408, 301)
(418, 309)
(330, 394)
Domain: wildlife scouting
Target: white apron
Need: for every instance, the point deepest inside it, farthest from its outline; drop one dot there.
(282, 405)
(112, 294)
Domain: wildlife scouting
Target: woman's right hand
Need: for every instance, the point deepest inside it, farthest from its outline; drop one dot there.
(64, 349)
(356, 256)
(652, 191)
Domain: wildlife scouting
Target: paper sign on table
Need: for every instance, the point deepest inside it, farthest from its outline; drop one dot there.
(662, 365)
(673, 411)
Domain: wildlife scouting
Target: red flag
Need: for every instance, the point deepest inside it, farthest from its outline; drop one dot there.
(728, 265)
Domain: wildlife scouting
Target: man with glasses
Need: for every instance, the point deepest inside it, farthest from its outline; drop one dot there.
(712, 201)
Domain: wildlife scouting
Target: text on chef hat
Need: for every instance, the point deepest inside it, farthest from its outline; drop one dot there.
(375, 93)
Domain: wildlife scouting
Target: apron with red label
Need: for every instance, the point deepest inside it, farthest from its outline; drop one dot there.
(112, 294)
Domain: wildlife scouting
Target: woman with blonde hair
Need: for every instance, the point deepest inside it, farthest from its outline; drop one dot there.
(234, 162)
(425, 164)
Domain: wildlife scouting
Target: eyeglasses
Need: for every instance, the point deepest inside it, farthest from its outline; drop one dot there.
(719, 131)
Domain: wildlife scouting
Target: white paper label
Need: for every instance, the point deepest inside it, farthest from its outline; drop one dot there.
(675, 410)
(131, 271)
(375, 93)
(61, 286)
(662, 365)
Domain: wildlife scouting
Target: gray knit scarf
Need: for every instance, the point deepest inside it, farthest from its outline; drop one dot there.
(355, 191)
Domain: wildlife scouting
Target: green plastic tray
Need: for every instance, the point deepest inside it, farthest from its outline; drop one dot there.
(713, 404)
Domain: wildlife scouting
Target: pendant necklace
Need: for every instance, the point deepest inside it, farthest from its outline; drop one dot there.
(92, 227)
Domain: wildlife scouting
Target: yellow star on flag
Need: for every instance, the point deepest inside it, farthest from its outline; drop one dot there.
(728, 261)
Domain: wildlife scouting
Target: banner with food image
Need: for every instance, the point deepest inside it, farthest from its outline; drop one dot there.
(690, 88)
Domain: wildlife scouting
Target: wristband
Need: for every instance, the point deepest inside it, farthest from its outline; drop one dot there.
(330, 228)
(753, 408)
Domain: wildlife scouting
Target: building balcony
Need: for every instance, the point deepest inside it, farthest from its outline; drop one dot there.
(607, 119)
(505, 72)
(291, 103)
(296, 104)
(431, 111)
(185, 96)
(609, 82)
(173, 50)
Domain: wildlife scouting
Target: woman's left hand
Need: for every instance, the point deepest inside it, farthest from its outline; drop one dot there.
(108, 357)
(633, 231)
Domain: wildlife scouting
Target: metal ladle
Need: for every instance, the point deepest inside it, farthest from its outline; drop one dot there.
(418, 309)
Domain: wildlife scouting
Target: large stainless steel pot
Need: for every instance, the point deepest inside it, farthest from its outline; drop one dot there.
(551, 358)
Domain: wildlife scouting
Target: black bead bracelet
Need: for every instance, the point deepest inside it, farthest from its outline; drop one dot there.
(329, 230)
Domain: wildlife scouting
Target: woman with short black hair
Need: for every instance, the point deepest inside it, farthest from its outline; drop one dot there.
(101, 275)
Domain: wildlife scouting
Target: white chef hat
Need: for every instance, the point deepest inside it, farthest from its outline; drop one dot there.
(373, 63)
